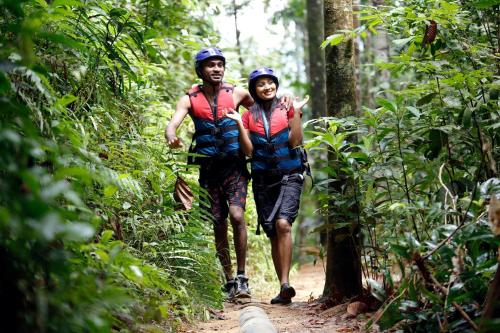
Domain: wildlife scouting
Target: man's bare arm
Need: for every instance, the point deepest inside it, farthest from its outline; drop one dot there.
(180, 113)
(243, 97)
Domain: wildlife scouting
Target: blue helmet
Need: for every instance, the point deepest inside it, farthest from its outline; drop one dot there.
(205, 54)
(260, 72)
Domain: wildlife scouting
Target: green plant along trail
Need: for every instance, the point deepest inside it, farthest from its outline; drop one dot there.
(90, 238)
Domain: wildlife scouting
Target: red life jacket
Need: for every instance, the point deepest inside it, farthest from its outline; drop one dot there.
(215, 136)
(272, 154)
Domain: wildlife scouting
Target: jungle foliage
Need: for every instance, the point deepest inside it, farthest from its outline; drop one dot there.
(425, 161)
(90, 240)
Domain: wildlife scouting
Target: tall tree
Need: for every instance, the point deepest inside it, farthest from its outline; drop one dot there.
(343, 270)
(234, 11)
(315, 30)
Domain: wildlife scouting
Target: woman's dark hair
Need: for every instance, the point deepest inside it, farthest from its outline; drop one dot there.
(260, 105)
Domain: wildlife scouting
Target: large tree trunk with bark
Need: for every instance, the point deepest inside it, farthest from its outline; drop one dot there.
(343, 270)
(315, 30)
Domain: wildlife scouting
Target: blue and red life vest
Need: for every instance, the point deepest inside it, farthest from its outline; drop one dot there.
(272, 154)
(215, 136)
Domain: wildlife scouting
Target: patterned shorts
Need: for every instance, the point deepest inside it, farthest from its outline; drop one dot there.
(231, 191)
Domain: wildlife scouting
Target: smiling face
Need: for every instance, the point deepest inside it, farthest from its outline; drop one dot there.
(265, 88)
(212, 70)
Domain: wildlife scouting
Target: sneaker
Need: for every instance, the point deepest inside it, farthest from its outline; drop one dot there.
(285, 295)
(229, 288)
(281, 300)
(287, 291)
(242, 290)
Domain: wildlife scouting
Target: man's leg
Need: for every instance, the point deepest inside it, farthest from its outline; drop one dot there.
(222, 248)
(237, 217)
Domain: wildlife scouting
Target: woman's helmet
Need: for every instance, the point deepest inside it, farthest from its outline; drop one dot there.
(205, 54)
(260, 72)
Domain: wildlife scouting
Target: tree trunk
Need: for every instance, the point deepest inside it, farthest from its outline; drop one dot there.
(237, 31)
(315, 30)
(343, 270)
(491, 309)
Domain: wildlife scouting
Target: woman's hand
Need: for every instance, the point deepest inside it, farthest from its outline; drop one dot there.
(287, 100)
(232, 114)
(297, 105)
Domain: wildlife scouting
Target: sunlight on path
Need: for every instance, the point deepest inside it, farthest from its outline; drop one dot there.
(302, 316)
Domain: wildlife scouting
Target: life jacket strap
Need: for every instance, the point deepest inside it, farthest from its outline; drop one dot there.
(215, 131)
(217, 143)
(271, 159)
(263, 174)
(270, 147)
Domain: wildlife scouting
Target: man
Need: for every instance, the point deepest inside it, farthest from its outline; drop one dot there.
(223, 171)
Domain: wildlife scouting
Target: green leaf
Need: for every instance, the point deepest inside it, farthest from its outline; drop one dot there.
(66, 100)
(75, 3)
(426, 99)
(403, 41)
(387, 104)
(4, 84)
(437, 140)
(117, 12)
(333, 40)
(483, 4)
(106, 236)
(110, 190)
(467, 117)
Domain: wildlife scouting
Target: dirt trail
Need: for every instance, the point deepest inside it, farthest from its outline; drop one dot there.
(303, 315)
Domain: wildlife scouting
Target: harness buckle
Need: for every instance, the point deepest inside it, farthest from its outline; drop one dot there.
(216, 131)
(271, 148)
(272, 160)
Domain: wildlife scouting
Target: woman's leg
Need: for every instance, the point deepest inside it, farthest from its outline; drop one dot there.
(276, 256)
(283, 250)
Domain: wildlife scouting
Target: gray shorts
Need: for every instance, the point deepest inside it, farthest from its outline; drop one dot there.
(266, 192)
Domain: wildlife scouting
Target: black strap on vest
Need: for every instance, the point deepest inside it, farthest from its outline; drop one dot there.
(277, 205)
(270, 147)
(262, 174)
(271, 159)
(215, 131)
(218, 142)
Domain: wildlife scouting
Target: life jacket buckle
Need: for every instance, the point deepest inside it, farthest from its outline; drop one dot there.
(271, 148)
(216, 131)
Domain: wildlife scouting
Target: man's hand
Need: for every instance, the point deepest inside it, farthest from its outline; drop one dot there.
(232, 114)
(174, 142)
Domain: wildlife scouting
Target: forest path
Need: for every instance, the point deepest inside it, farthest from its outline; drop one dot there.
(303, 315)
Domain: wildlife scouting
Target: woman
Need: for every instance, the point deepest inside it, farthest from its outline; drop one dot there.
(270, 134)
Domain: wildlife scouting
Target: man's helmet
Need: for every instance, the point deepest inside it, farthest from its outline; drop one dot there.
(205, 54)
(260, 72)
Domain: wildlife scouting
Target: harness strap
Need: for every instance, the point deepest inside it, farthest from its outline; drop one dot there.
(270, 147)
(271, 159)
(215, 130)
(266, 124)
(216, 143)
(277, 205)
(275, 172)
